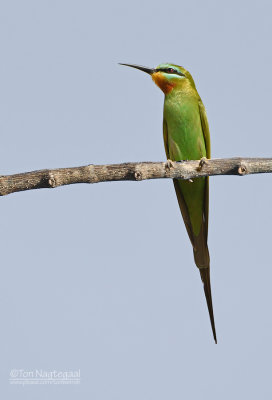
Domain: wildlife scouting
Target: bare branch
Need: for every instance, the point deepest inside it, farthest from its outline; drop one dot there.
(47, 178)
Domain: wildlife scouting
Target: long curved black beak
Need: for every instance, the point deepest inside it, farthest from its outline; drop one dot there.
(149, 71)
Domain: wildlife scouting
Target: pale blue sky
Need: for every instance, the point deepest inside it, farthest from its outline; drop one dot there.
(101, 278)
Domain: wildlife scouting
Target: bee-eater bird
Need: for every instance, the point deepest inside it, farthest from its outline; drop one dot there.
(187, 137)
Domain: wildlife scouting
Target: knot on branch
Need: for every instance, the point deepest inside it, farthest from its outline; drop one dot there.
(242, 169)
(138, 176)
(51, 180)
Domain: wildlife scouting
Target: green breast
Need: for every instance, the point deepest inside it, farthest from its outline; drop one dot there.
(186, 140)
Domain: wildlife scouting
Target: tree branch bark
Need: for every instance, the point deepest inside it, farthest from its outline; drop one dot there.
(51, 178)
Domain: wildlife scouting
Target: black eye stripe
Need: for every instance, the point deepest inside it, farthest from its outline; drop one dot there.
(170, 71)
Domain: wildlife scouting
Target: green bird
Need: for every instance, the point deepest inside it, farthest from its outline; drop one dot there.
(187, 137)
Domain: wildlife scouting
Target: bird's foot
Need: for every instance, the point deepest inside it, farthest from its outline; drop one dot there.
(169, 164)
(202, 162)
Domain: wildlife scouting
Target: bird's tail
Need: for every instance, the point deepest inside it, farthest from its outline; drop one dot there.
(205, 276)
(202, 260)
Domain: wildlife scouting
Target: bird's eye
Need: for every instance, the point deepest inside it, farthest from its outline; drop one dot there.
(170, 70)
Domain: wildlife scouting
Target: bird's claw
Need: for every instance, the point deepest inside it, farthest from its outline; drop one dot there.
(169, 164)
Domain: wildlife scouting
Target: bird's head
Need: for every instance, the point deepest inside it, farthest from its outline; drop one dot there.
(168, 76)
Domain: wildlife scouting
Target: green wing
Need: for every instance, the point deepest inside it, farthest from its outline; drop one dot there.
(205, 128)
(206, 134)
(181, 201)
